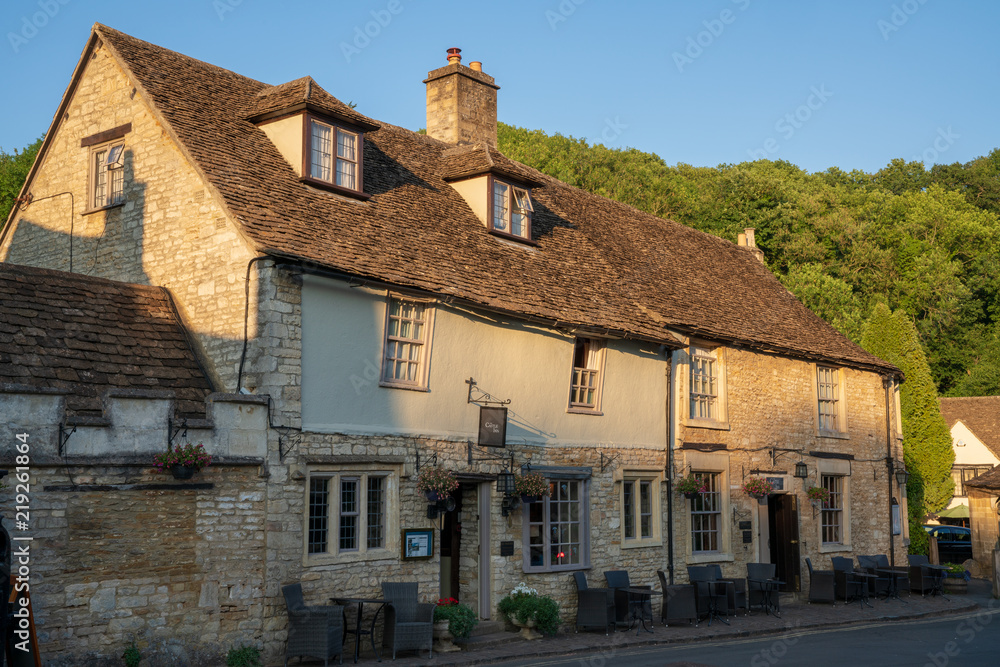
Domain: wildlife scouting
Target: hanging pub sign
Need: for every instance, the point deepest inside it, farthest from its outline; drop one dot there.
(492, 427)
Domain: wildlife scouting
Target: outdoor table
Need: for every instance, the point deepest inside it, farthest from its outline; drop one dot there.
(714, 594)
(769, 602)
(864, 589)
(358, 631)
(938, 588)
(636, 608)
(894, 574)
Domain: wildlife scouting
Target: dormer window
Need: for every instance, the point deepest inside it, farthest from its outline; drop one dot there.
(333, 155)
(511, 210)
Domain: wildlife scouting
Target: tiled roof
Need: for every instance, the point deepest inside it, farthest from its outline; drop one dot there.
(86, 335)
(980, 414)
(308, 92)
(468, 160)
(988, 481)
(598, 264)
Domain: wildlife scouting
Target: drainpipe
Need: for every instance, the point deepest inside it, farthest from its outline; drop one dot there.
(887, 384)
(670, 467)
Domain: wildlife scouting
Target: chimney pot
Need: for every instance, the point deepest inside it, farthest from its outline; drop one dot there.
(476, 65)
(453, 55)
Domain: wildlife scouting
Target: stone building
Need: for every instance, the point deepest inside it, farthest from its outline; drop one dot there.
(377, 288)
(975, 438)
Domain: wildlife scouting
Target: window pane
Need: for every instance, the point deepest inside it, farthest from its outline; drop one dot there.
(376, 513)
(833, 515)
(321, 152)
(319, 517)
(404, 342)
(645, 509)
(704, 384)
(706, 513)
(501, 206)
(628, 509)
(348, 514)
(100, 179)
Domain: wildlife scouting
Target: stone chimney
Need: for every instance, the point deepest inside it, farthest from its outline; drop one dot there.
(747, 240)
(461, 103)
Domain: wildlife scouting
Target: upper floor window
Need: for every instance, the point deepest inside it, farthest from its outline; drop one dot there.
(511, 210)
(961, 474)
(334, 155)
(588, 361)
(707, 387)
(407, 344)
(830, 398)
(107, 175)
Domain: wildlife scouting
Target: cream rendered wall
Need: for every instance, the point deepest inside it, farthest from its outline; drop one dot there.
(974, 452)
(476, 195)
(342, 330)
(286, 135)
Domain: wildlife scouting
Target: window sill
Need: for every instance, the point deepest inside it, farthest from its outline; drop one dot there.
(713, 557)
(585, 411)
(840, 435)
(103, 208)
(834, 548)
(315, 560)
(548, 570)
(332, 187)
(708, 423)
(400, 385)
(639, 544)
(512, 237)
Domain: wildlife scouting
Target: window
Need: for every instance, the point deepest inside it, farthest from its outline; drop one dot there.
(334, 155)
(830, 398)
(511, 210)
(706, 514)
(347, 512)
(407, 336)
(557, 528)
(640, 510)
(585, 387)
(962, 474)
(107, 175)
(832, 519)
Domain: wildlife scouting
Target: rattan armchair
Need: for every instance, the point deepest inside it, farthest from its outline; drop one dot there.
(822, 584)
(846, 584)
(595, 607)
(315, 632)
(618, 581)
(923, 577)
(679, 603)
(408, 624)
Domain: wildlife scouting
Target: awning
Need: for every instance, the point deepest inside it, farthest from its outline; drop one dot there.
(956, 512)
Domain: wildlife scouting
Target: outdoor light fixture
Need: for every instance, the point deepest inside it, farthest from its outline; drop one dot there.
(440, 507)
(801, 470)
(509, 504)
(901, 477)
(505, 483)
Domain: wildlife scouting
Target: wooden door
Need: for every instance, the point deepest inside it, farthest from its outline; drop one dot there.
(783, 518)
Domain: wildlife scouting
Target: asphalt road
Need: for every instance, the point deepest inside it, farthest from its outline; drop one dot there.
(971, 639)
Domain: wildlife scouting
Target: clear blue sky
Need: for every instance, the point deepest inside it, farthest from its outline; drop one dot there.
(847, 83)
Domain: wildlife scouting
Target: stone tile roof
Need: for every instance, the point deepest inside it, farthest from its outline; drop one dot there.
(988, 481)
(304, 91)
(980, 414)
(87, 335)
(599, 265)
(468, 160)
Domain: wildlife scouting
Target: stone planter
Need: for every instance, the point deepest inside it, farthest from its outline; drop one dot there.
(527, 629)
(182, 472)
(443, 638)
(956, 586)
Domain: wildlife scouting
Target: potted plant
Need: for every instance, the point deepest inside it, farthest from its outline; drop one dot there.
(818, 495)
(956, 578)
(528, 610)
(436, 483)
(452, 620)
(759, 488)
(183, 462)
(691, 487)
(531, 487)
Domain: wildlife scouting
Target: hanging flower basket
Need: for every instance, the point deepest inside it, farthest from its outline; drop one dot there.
(818, 495)
(691, 487)
(436, 483)
(182, 472)
(531, 487)
(759, 488)
(183, 462)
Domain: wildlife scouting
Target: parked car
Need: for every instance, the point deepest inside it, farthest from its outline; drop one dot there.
(954, 542)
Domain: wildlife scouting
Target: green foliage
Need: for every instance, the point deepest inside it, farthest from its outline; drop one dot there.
(527, 605)
(927, 449)
(461, 619)
(131, 656)
(14, 170)
(244, 656)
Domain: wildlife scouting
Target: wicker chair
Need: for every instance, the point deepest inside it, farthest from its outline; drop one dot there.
(881, 583)
(595, 607)
(737, 594)
(316, 632)
(822, 584)
(900, 574)
(408, 623)
(618, 579)
(846, 585)
(679, 603)
(924, 578)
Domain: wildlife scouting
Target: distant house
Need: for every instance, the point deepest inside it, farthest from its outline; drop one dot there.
(984, 508)
(975, 437)
(370, 293)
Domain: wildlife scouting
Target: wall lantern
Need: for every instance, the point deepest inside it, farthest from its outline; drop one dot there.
(801, 470)
(505, 483)
(901, 477)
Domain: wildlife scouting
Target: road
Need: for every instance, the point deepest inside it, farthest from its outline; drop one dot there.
(971, 640)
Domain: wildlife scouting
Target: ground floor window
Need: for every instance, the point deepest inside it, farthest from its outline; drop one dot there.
(706, 514)
(832, 519)
(558, 528)
(348, 512)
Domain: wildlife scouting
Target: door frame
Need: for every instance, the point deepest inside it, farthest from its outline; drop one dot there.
(485, 575)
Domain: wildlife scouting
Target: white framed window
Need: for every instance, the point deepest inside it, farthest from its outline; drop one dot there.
(406, 354)
(350, 511)
(830, 404)
(107, 175)
(511, 210)
(587, 376)
(557, 528)
(707, 387)
(706, 514)
(640, 503)
(832, 517)
(334, 155)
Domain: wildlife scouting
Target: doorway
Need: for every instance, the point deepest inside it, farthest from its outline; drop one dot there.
(783, 538)
(465, 564)
(451, 550)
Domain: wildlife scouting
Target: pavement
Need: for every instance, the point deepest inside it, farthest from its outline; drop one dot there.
(796, 614)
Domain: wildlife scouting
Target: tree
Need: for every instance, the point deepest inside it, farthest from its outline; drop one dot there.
(14, 170)
(927, 450)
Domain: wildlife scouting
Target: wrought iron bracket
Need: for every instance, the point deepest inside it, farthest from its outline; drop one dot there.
(486, 456)
(433, 460)
(173, 432)
(778, 452)
(609, 459)
(483, 398)
(64, 434)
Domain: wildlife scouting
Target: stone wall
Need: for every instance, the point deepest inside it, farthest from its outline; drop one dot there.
(983, 520)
